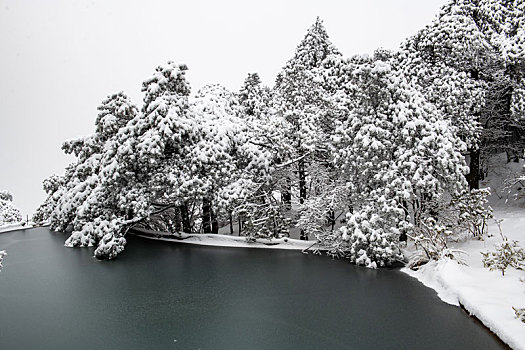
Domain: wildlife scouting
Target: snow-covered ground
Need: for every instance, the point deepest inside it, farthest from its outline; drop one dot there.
(485, 294)
(221, 240)
(16, 226)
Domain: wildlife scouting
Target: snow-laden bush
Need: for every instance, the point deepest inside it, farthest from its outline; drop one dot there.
(9, 213)
(431, 240)
(441, 221)
(507, 254)
(372, 235)
(470, 211)
(520, 313)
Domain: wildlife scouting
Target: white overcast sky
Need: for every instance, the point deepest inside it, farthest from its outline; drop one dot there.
(60, 58)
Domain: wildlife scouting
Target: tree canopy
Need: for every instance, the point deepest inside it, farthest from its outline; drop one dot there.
(381, 140)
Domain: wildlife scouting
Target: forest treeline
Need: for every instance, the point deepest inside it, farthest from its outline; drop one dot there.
(359, 153)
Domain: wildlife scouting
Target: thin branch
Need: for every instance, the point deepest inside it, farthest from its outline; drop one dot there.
(290, 162)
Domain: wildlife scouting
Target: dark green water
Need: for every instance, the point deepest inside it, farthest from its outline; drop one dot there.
(160, 295)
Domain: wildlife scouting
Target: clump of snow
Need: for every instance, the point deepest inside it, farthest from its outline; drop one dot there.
(485, 294)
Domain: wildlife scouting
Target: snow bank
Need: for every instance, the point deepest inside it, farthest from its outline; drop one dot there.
(16, 226)
(485, 294)
(225, 240)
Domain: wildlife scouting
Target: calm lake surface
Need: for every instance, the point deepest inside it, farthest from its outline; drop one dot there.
(160, 295)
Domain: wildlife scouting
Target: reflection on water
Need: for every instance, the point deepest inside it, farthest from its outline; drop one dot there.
(168, 295)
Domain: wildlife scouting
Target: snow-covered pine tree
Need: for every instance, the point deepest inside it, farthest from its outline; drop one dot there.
(301, 101)
(107, 189)
(128, 190)
(468, 63)
(67, 194)
(233, 164)
(150, 168)
(212, 160)
(395, 152)
(9, 213)
(253, 97)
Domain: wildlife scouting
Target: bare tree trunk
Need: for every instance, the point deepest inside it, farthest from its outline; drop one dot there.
(240, 223)
(206, 215)
(185, 218)
(214, 222)
(286, 194)
(231, 223)
(332, 219)
(474, 175)
(302, 181)
(302, 190)
(178, 220)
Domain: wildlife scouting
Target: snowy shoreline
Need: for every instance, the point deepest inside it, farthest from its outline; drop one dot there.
(16, 226)
(485, 294)
(220, 240)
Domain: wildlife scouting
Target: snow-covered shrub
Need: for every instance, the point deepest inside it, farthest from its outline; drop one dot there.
(520, 313)
(2, 254)
(431, 237)
(507, 254)
(9, 213)
(431, 240)
(465, 212)
(441, 221)
(471, 211)
(372, 235)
